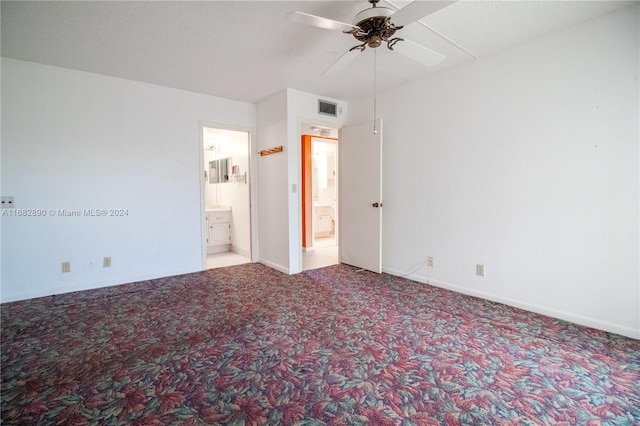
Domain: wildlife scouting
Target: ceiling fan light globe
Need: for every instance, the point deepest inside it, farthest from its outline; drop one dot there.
(375, 42)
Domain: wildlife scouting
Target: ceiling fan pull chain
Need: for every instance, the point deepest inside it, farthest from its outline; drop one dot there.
(375, 90)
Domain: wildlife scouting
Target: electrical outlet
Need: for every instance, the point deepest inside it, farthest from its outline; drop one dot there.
(480, 270)
(66, 267)
(106, 262)
(430, 261)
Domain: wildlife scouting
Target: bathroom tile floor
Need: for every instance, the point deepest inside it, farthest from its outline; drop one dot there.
(229, 258)
(323, 254)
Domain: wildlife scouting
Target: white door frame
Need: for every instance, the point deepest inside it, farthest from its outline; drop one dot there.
(253, 194)
(311, 122)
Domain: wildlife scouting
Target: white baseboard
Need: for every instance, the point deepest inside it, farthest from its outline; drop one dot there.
(241, 252)
(275, 266)
(219, 248)
(15, 296)
(566, 316)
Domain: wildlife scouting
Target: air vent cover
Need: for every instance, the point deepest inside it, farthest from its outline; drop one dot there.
(327, 108)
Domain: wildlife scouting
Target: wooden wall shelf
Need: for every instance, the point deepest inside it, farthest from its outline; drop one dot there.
(271, 151)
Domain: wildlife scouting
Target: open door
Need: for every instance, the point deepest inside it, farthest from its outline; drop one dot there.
(360, 196)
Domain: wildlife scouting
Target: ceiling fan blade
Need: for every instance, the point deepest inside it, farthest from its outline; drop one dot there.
(318, 21)
(342, 62)
(418, 53)
(417, 10)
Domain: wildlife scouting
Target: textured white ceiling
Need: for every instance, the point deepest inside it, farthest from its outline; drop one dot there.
(247, 50)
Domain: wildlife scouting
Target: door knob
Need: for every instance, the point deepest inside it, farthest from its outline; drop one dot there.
(376, 205)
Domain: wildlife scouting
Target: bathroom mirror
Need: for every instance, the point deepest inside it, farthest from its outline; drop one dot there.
(219, 170)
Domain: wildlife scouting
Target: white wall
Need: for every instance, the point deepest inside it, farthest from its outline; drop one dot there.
(236, 194)
(74, 140)
(526, 161)
(327, 149)
(273, 183)
(279, 119)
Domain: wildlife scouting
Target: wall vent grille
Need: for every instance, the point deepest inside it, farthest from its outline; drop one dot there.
(327, 108)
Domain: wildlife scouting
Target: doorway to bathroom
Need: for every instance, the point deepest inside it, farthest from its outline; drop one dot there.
(226, 196)
(319, 196)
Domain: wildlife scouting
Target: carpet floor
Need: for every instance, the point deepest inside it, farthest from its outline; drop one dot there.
(247, 345)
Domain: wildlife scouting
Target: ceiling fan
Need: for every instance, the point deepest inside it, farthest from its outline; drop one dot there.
(377, 25)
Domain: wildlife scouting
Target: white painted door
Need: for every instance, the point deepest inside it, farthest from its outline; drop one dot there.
(360, 192)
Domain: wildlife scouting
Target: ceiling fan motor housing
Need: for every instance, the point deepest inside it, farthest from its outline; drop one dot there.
(377, 25)
(374, 26)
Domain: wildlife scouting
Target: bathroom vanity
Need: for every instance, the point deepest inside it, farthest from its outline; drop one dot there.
(218, 221)
(323, 221)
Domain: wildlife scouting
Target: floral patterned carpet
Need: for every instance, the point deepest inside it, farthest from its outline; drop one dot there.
(247, 345)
